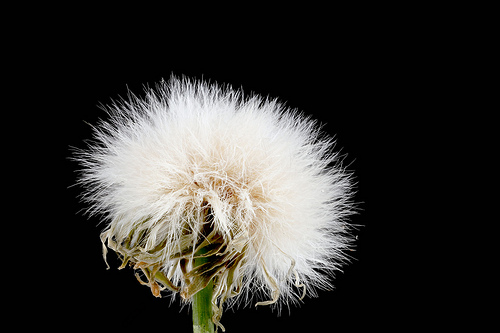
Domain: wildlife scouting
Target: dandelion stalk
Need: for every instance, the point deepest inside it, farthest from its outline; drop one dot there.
(202, 303)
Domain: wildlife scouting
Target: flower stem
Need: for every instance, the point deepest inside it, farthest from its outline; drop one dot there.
(202, 306)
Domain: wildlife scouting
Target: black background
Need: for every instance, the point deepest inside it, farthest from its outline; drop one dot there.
(361, 83)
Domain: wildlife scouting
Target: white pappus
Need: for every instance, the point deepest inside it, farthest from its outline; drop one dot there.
(197, 170)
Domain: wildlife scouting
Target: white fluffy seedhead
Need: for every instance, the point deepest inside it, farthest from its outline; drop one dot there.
(195, 170)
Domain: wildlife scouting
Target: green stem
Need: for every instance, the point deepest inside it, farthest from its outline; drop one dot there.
(202, 305)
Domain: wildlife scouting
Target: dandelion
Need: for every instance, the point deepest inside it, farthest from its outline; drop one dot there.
(218, 198)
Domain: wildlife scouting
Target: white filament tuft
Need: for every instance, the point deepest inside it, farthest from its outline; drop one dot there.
(196, 165)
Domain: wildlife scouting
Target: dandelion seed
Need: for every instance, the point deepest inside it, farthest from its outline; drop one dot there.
(203, 189)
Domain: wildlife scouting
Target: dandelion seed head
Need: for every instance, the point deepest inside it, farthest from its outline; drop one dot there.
(195, 169)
